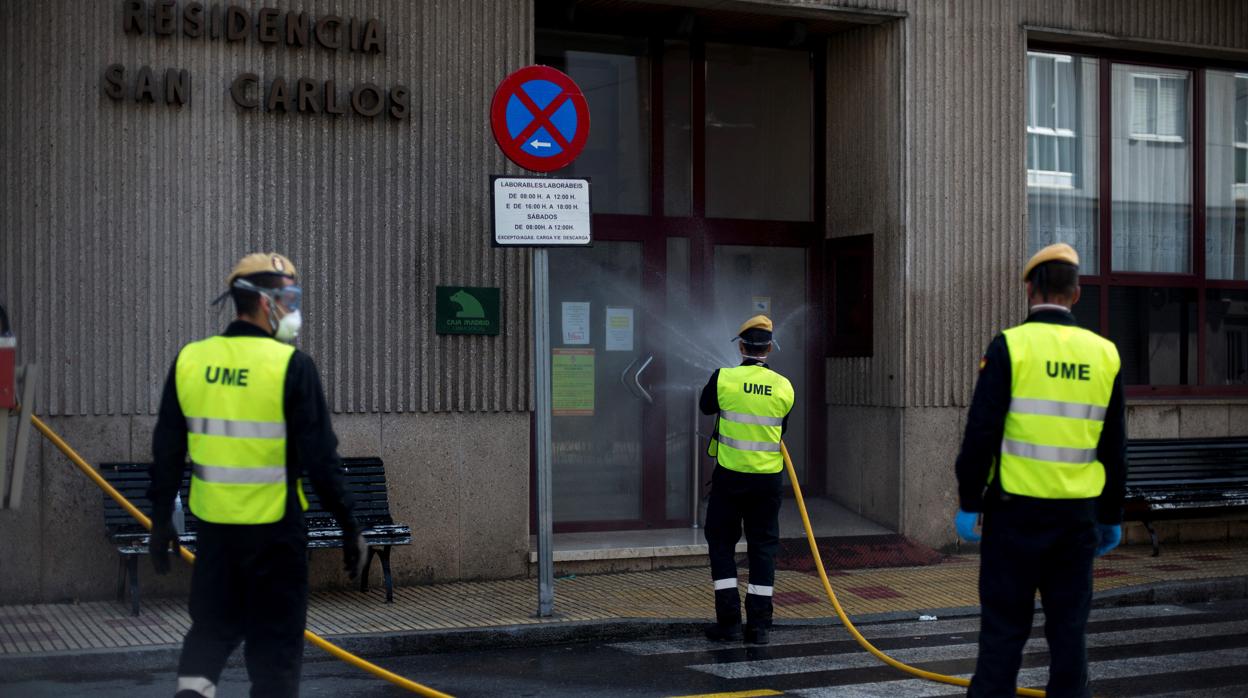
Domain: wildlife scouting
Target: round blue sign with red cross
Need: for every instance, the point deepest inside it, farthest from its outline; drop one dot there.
(540, 118)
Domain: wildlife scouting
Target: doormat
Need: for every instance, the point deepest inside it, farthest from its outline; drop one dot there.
(855, 552)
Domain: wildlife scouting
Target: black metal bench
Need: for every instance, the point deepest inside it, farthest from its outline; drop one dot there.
(1185, 479)
(365, 479)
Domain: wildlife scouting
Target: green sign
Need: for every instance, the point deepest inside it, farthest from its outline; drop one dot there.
(467, 310)
(572, 382)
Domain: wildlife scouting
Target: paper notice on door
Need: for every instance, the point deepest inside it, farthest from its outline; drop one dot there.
(572, 382)
(762, 305)
(619, 329)
(575, 323)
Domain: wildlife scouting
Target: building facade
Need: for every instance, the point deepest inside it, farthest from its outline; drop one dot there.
(872, 174)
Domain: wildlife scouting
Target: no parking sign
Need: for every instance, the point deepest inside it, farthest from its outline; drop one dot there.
(540, 118)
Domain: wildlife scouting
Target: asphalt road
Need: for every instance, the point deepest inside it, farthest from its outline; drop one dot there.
(1191, 650)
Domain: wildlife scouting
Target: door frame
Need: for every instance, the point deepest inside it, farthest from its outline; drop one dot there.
(653, 232)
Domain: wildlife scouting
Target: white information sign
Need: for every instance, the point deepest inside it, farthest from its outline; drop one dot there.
(541, 211)
(619, 330)
(575, 323)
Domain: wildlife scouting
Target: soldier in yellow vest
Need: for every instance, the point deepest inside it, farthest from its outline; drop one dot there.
(248, 410)
(1044, 461)
(753, 404)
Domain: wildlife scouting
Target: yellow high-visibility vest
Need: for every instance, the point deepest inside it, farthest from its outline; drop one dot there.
(753, 401)
(1062, 378)
(231, 391)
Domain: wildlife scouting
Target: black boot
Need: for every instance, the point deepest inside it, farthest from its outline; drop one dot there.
(727, 626)
(716, 632)
(756, 635)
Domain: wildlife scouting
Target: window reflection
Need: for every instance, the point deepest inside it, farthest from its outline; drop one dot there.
(1226, 345)
(1152, 165)
(1062, 137)
(614, 74)
(1087, 311)
(758, 133)
(1226, 173)
(1155, 330)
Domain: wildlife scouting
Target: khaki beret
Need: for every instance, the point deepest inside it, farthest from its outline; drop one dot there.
(1059, 252)
(758, 322)
(261, 263)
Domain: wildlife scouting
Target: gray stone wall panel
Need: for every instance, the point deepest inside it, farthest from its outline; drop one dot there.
(864, 168)
(119, 221)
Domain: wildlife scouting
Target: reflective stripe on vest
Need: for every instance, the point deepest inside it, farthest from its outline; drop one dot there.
(753, 401)
(231, 390)
(1062, 377)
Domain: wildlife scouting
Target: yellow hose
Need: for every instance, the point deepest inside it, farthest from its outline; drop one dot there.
(414, 687)
(840, 612)
(187, 555)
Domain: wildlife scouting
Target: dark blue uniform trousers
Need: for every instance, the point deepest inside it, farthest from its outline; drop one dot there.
(249, 585)
(752, 500)
(1023, 552)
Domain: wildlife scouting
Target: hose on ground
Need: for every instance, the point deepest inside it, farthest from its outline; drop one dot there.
(840, 612)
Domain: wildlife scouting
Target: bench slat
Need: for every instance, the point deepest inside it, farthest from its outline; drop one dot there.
(364, 479)
(1172, 476)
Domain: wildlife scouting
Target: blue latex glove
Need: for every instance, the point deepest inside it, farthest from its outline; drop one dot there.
(1107, 538)
(965, 523)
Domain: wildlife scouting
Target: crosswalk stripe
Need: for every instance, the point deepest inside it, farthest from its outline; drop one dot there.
(1038, 676)
(738, 694)
(781, 636)
(964, 650)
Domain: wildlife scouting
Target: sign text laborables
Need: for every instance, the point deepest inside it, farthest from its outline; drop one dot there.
(198, 21)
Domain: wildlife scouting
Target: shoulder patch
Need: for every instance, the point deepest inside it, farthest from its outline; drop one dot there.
(983, 363)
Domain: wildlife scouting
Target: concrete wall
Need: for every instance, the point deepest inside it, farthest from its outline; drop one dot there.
(457, 479)
(865, 463)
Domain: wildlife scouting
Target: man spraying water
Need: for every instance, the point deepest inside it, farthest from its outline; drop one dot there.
(753, 404)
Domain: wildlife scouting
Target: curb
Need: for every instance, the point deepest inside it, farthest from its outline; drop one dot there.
(163, 658)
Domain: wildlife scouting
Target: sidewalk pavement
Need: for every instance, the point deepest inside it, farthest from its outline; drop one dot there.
(1184, 572)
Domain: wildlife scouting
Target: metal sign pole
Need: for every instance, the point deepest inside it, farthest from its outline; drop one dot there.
(542, 407)
(695, 493)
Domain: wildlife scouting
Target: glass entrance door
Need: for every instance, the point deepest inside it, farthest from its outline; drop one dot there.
(598, 363)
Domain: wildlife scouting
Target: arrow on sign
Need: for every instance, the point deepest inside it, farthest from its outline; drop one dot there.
(539, 144)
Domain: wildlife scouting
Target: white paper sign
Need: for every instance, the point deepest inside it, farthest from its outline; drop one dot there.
(619, 329)
(541, 211)
(575, 323)
(762, 304)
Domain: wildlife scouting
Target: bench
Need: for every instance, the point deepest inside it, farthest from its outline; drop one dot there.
(365, 479)
(1185, 478)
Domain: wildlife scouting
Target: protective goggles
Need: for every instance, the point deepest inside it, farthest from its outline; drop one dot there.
(289, 297)
(757, 346)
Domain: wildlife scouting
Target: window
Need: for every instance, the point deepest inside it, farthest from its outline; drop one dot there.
(614, 75)
(1062, 138)
(1052, 120)
(1165, 194)
(849, 295)
(1152, 180)
(1158, 106)
(1241, 136)
(1226, 175)
(759, 163)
